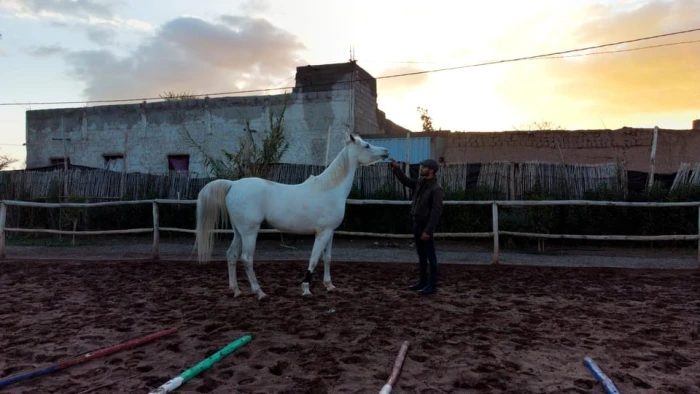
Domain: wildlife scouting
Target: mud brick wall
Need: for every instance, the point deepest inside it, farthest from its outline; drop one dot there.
(632, 147)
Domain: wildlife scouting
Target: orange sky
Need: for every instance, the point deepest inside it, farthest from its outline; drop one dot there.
(638, 88)
(55, 51)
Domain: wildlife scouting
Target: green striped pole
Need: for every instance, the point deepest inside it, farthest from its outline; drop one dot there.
(177, 381)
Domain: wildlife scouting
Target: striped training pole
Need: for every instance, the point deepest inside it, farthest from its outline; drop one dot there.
(88, 356)
(177, 381)
(598, 373)
(397, 368)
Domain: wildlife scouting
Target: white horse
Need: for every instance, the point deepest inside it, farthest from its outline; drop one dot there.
(316, 206)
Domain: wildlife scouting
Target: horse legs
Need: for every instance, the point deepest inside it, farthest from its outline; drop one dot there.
(327, 265)
(233, 254)
(319, 246)
(249, 239)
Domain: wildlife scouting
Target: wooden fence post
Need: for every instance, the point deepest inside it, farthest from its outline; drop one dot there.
(408, 155)
(156, 232)
(3, 217)
(494, 210)
(652, 159)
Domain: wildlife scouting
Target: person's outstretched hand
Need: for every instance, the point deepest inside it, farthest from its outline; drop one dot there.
(394, 163)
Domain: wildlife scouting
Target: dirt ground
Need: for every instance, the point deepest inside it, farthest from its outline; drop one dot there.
(360, 249)
(505, 329)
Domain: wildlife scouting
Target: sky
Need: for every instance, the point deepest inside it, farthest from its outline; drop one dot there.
(78, 50)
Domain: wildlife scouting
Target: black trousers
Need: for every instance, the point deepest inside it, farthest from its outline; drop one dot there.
(426, 254)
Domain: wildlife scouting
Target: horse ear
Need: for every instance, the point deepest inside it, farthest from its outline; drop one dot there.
(349, 138)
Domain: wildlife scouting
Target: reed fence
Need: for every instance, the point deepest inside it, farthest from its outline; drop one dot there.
(502, 180)
(688, 174)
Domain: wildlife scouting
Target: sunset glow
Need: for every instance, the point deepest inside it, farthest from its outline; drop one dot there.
(92, 50)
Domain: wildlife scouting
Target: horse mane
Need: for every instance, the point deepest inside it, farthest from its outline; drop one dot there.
(334, 174)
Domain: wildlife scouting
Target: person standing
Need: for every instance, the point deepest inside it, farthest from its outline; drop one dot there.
(426, 209)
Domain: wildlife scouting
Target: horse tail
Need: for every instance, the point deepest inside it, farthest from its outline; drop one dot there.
(211, 208)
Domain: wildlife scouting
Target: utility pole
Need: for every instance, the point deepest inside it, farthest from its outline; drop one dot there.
(123, 180)
(65, 160)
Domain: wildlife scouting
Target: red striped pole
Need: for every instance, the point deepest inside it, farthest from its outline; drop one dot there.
(88, 356)
(397, 369)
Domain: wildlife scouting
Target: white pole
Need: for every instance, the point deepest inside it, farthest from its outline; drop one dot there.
(65, 161)
(3, 219)
(123, 180)
(408, 153)
(494, 210)
(156, 232)
(652, 159)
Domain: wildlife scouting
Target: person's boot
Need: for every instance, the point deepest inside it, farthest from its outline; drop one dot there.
(427, 290)
(417, 286)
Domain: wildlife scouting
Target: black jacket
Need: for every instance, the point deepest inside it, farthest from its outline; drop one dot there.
(428, 196)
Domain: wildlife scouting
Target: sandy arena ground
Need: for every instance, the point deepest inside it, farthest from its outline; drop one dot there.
(500, 329)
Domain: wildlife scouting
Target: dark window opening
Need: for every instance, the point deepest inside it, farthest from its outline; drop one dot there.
(179, 163)
(114, 162)
(59, 160)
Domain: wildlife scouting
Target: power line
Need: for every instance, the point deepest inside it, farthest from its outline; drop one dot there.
(541, 56)
(551, 57)
(623, 50)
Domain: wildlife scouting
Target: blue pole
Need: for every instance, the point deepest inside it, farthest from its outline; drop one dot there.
(598, 373)
(28, 375)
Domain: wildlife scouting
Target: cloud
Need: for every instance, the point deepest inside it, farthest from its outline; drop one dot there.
(96, 17)
(251, 7)
(657, 80)
(80, 9)
(397, 85)
(101, 35)
(190, 54)
(48, 50)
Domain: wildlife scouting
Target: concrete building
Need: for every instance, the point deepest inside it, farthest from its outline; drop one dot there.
(628, 146)
(326, 102)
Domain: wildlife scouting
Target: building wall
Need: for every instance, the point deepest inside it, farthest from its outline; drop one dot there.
(155, 130)
(346, 76)
(420, 148)
(632, 147)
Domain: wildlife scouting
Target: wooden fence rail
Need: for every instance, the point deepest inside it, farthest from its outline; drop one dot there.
(156, 229)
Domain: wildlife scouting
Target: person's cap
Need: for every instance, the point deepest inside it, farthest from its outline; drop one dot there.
(430, 163)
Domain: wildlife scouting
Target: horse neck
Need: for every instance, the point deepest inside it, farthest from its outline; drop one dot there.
(339, 175)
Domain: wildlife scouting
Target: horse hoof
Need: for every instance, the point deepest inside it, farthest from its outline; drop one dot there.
(305, 289)
(261, 295)
(237, 293)
(330, 287)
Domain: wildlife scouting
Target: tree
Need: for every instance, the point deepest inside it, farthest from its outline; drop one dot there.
(426, 119)
(250, 160)
(172, 96)
(6, 161)
(539, 126)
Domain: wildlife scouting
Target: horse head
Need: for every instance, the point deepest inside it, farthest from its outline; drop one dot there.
(364, 152)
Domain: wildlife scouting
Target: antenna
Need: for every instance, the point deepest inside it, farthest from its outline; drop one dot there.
(352, 53)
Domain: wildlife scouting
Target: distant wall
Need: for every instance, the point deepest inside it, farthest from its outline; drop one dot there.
(155, 130)
(346, 76)
(323, 98)
(632, 147)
